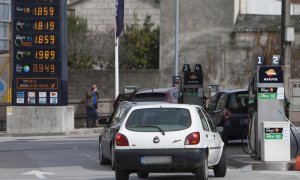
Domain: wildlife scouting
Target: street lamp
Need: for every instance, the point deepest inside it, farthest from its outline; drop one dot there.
(176, 37)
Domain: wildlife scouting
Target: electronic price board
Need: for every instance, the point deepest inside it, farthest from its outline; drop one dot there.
(39, 53)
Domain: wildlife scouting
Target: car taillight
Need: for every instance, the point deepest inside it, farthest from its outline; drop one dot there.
(193, 138)
(121, 140)
(227, 114)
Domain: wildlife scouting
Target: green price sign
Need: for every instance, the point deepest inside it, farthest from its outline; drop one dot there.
(267, 96)
(273, 136)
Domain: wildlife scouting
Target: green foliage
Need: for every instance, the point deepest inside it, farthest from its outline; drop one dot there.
(139, 45)
(78, 58)
(86, 49)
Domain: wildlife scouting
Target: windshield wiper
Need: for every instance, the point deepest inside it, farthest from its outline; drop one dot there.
(162, 131)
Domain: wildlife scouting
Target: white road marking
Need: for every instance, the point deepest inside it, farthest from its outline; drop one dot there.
(38, 174)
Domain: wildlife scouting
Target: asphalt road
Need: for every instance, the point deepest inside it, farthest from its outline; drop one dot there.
(77, 158)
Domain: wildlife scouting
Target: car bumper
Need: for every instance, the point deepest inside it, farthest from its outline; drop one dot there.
(182, 160)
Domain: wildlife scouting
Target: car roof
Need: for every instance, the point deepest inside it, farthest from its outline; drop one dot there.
(131, 104)
(157, 90)
(162, 105)
(233, 90)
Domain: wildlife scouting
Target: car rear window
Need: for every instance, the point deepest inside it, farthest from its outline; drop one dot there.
(146, 97)
(156, 119)
(238, 102)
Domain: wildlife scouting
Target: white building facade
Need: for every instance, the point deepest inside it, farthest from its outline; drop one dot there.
(100, 14)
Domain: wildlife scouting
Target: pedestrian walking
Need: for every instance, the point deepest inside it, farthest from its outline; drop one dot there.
(92, 97)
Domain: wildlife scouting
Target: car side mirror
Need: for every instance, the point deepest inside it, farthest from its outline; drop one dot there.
(220, 129)
(104, 121)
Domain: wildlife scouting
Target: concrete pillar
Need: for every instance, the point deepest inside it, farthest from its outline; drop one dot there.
(39, 119)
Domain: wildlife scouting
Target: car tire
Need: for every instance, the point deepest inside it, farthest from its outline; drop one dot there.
(102, 159)
(113, 160)
(225, 138)
(121, 174)
(143, 175)
(221, 167)
(202, 172)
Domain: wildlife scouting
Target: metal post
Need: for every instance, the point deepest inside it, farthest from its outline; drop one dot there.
(116, 67)
(176, 38)
(286, 47)
(283, 3)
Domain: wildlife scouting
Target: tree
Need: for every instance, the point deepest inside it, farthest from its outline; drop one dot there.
(139, 45)
(86, 49)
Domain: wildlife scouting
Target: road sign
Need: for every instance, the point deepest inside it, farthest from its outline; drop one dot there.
(39, 52)
(2, 87)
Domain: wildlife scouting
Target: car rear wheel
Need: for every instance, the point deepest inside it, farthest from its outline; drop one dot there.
(221, 167)
(202, 171)
(142, 174)
(113, 161)
(121, 174)
(102, 159)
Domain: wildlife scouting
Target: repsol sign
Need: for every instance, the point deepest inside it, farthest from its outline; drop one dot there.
(270, 74)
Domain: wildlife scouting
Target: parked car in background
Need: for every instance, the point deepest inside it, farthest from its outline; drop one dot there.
(107, 137)
(164, 137)
(159, 95)
(229, 109)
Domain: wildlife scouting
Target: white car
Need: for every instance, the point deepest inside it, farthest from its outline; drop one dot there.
(168, 138)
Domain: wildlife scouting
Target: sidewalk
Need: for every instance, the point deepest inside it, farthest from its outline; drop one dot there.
(80, 131)
(244, 163)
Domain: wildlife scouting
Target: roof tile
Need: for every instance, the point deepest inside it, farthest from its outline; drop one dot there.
(263, 23)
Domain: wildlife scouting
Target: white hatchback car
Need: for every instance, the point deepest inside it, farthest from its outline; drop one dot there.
(168, 138)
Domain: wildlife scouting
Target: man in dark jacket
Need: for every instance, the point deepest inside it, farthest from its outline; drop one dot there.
(92, 97)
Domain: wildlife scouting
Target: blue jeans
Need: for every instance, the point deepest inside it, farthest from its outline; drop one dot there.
(91, 112)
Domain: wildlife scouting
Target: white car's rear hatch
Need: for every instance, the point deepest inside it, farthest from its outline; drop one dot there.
(155, 140)
(157, 128)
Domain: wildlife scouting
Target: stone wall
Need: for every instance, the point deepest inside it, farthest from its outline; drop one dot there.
(80, 80)
(204, 34)
(100, 14)
(206, 37)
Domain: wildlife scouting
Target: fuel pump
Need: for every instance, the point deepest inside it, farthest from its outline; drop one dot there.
(192, 88)
(269, 133)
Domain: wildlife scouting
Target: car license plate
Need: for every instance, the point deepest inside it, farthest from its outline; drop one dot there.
(156, 159)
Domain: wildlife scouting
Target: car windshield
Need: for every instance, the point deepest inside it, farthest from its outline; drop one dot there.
(146, 97)
(238, 102)
(159, 119)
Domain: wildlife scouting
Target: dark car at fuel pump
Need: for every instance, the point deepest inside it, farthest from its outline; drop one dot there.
(229, 109)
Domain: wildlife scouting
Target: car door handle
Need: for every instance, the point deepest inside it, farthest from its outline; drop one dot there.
(206, 136)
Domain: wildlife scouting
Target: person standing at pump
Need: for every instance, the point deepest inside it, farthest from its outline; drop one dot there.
(92, 97)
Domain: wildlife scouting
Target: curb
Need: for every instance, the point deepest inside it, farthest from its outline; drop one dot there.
(254, 165)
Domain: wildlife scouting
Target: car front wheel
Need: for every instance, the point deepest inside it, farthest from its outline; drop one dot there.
(221, 167)
(113, 161)
(121, 174)
(102, 159)
(202, 171)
